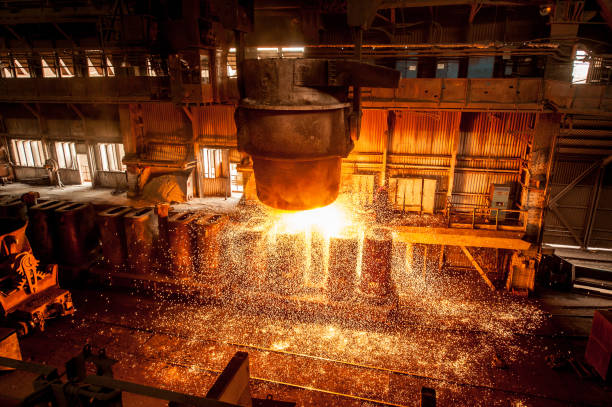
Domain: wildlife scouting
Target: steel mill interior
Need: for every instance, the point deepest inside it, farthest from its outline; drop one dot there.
(305, 203)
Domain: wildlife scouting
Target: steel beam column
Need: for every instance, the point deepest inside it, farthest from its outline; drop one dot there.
(453, 161)
(387, 142)
(593, 207)
(478, 268)
(194, 117)
(566, 224)
(576, 181)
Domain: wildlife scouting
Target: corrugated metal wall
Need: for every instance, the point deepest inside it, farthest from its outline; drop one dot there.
(373, 132)
(165, 120)
(167, 131)
(491, 149)
(421, 148)
(367, 156)
(217, 126)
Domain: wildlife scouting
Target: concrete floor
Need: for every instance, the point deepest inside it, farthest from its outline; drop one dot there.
(450, 333)
(443, 339)
(106, 196)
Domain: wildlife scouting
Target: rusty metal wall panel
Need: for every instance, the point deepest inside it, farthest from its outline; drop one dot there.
(472, 189)
(423, 132)
(373, 131)
(493, 145)
(496, 134)
(217, 126)
(485, 31)
(234, 155)
(167, 152)
(216, 186)
(421, 148)
(165, 121)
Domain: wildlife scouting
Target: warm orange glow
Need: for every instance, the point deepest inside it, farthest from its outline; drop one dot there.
(330, 220)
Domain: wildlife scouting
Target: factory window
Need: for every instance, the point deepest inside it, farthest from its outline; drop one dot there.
(292, 52)
(48, 71)
(66, 69)
(111, 156)
(93, 70)
(28, 153)
(231, 63)
(581, 67)
(66, 154)
(205, 68)
(236, 178)
(5, 64)
(14, 67)
(212, 163)
(263, 53)
(20, 71)
(98, 64)
(150, 68)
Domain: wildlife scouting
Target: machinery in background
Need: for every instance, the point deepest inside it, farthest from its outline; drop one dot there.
(29, 294)
(42, 385)
(502, 198)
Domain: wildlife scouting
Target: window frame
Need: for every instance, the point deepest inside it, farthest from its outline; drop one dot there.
(27, 153)
(64, 149)
(212, 163)
(110, 157)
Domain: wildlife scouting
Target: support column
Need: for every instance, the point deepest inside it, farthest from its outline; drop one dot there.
(90, 156)
(594, 203)
(539, 166)
(131, 127)
(196, 126)
(194, 116)
(477, 267)
(387, 142)
(456, 139)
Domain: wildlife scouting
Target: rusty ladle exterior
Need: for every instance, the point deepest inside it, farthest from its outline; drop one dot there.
(295, 122)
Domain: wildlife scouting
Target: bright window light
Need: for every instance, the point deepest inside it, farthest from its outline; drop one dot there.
(111, 68)
(293, 49)
(47, 71)
(21, 71)
(581, 67)
(65, 71)
(91, 69)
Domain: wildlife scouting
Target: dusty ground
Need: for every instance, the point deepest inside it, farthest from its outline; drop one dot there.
(442, 339)
(104, 196)
(450, 333)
